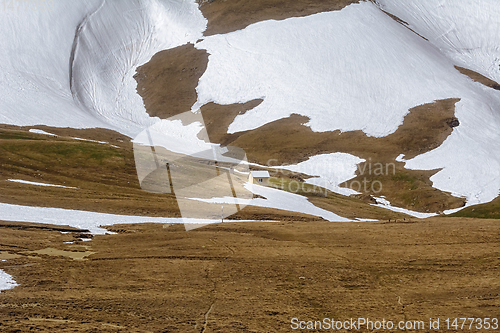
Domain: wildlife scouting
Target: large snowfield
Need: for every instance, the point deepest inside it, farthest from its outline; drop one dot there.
(354, 69)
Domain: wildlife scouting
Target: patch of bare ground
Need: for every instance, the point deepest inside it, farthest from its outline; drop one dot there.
(218, 118)
(167, 83)
(230, 15)
(241, 277)
(479, 78)
(288, 141)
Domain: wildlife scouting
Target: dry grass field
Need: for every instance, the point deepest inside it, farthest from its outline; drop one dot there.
(249, 277)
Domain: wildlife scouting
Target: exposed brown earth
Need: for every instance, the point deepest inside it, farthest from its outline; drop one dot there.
(250, 277)
(479, 77)
(288, 141)
(229, 15)
(105, 178)
(167, 83)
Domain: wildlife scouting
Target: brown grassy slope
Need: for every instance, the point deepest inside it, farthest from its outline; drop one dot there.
(287, 141)
(168, 81)
(218, 118)
(229, 15)
(105, 177)
(490, 210)
(254, 277)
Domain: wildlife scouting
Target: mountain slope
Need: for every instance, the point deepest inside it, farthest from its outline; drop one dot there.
(350, 70)
(298, 76)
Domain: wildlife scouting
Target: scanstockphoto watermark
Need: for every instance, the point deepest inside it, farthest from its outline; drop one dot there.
(361, 324)
(291, 177)
(208, 181)
(355, 324)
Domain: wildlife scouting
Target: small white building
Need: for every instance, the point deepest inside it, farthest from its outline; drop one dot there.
(259, 177)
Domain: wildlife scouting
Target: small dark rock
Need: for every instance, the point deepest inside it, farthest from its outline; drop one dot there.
(453, 122)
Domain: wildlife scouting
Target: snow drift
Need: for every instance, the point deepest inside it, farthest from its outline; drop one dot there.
(73, 65)
(6, 281)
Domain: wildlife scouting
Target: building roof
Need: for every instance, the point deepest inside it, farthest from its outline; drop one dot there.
(260, 174)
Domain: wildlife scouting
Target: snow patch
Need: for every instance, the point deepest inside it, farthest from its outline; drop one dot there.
(400, 158)
(343, 69)
(279, 200)
(466, 31)
(366, 220)
(328, 171)
(37, 184)
(38, 131)
(358, 69)
(384, 203)
(175, 137)
(103, 42)
(6, 281)
(103, 142)
(83, 219)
